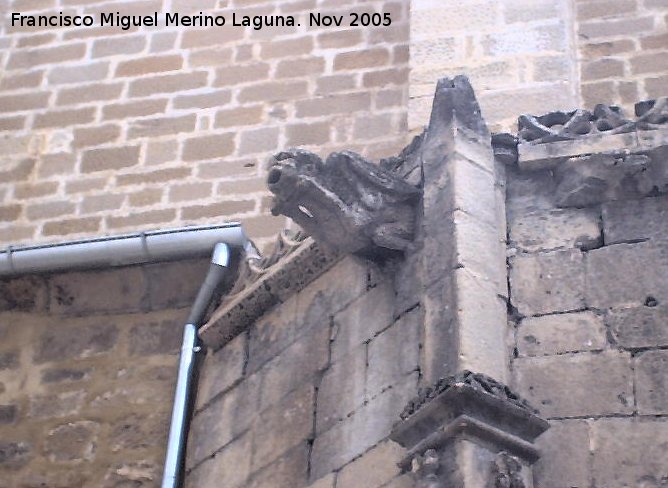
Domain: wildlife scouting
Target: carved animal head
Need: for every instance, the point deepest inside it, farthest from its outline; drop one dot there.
(346, 201)
(290, 173)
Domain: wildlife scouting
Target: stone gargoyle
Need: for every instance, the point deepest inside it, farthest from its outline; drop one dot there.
(347, 202)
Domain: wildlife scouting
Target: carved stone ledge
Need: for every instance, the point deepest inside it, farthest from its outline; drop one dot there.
(547, 141)
(604, 119)
(346, 201)
(265, 282)
(472, 429)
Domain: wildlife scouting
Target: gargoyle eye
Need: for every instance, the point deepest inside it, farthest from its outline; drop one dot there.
(305, 211)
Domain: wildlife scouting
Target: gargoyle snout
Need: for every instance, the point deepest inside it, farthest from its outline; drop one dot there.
(274, 176)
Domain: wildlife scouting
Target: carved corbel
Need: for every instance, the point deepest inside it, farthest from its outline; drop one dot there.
(469, 430)
(346, 202)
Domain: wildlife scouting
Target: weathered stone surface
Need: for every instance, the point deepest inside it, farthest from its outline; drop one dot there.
(635, 220)
(480, 249)
(140, 474)
(175, 284)
(565, 455)
(363, 429)
(9, 360)
(333, 291)
(403, 481)
(529, 191)
(324, 482)
(157, 394)
(374, 468)
(272, 333)
(155, 337)
(53, 478)
(441, 346)
(346, 201)
(74, 442)
(314, 306)
(57, 405)
(23, 294)
(597, 178)
(652, 382)
(121, 290)
(342, 389)
(221, 369)
(549, 282)
(555, 229)
(208, 434)
(394, 353)
(72, 341)
(8, 414)
(362, 320)
(288, 471)
(283, 426)
(482, 326)
(557, 334)
(14, 454)
(139, 431)
(643, 326)
(629, 451)
(300, 362)
(584, 384)
(62, 375)
(230, 467)
(626, 275)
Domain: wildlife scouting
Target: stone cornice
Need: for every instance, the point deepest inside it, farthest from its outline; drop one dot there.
(263, 283)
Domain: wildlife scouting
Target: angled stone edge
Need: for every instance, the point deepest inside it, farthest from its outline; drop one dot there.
(285, 277)
(465, 410)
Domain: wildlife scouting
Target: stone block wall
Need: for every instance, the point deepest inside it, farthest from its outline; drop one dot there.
(588, 299)
(308, 394)
(529, 56)
(107, 130)
(88, 363)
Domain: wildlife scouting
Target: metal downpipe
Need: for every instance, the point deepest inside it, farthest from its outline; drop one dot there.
(173, 470)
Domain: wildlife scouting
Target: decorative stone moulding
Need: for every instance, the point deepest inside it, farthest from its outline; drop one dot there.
(604, 119)
(345, 201)
(469, 430)
(264, 282)
(548, 140)
(598, 156)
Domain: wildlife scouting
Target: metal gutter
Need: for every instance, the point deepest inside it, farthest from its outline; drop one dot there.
(137, 248)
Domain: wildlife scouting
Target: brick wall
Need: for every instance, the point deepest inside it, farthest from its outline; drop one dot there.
(88, 365)
(539, 56)
(308, 395)
(589, 297)
(105, 130)
(623, 48)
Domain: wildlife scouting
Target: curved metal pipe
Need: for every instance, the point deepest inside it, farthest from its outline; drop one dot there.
(173, 472)
(177, 432)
